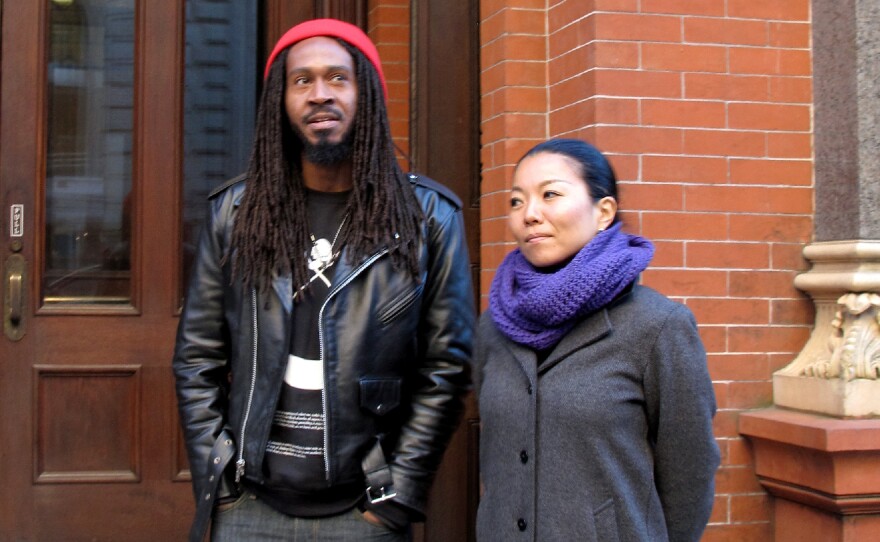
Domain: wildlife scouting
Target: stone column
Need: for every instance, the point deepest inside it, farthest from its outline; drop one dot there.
(837, 372)
(818, 450)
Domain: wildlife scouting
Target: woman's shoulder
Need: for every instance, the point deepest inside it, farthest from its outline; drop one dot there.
(645, 302)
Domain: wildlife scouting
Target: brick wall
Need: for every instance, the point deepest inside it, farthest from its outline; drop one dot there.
(704, 107)
(388, 27)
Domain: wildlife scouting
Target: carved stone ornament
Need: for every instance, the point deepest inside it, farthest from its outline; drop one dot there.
(837, 373)
(854, 344)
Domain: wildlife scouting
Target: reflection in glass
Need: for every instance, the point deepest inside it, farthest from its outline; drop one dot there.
(221, 79)
(89, 152)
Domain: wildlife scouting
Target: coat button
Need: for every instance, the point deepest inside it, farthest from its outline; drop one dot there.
(216, 460)
(521, 524)
(524, 457)
(529, 389)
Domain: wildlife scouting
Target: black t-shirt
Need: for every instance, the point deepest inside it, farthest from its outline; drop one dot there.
(296, 482)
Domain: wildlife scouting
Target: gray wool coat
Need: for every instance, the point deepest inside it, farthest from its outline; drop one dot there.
(609, 439)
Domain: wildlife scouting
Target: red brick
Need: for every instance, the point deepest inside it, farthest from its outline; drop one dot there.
(626, 166)
(725, 143)
(722, 310)
(728, 255)
(497, 230)
(683, 113)
(736, 480)
(720, 398)
(514, 73)
(616, 5)
(616, 110)
(685, 226)
(739, 452)
(511, 150)
(742, 532)
(634, 139)
(748, 199)
(737, 367)
(769, 284)
(713, 86)
(771, 228)
(776, 172)
(790, 145)
(685, 58)
(794, 35)
(789, 312)
(791, 89)
(572, 117)
(749, 394)
(688, 282)
(785, 10)
(720, 509)
(668, 254)
(641, 196)
(573, 90)
(570, 34)
(747, 116)
(520, 100)
(714, 340)
(684, 7)
(573, 62)
(725, 426)
(636, 83)
(685, 169)
(637, 27)
(564, 13)
(522, 21)
(767, 339)
(788, 256)
(390, 15)
(615, 54)
(725, 31)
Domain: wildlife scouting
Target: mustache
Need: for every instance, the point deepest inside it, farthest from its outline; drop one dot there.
(321, 110)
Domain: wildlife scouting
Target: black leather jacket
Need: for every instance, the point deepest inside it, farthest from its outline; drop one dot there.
(396, 357)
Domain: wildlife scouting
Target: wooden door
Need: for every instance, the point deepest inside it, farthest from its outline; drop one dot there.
(116, 118)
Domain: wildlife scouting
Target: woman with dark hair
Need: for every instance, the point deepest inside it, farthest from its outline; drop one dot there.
(595, 399)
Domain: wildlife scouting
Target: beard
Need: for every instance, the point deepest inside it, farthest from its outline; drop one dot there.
(325, 152)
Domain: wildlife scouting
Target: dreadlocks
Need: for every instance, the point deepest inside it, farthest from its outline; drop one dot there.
(270, 236)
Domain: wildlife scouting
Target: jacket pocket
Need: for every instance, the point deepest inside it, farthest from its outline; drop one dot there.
(397, 306)
(605, 521)
(380, 395)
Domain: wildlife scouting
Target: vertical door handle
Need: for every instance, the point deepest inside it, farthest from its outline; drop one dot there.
(14, 297)
(15, 279)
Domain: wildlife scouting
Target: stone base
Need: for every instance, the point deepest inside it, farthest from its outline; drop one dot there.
(824, 473)
(835, 397)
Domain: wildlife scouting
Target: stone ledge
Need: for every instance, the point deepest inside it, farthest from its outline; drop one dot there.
(822, 462)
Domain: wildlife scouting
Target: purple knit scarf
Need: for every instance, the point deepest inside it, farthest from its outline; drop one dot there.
(536, 309)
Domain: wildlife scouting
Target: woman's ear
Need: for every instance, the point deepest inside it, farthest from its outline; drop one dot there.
(606, 211)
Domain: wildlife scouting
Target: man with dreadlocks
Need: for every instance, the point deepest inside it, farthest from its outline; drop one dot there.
(325, 339)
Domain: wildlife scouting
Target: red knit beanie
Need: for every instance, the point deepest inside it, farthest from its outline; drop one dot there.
(333, 28)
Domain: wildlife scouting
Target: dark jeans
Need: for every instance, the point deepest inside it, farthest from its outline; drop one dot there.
(250, 519)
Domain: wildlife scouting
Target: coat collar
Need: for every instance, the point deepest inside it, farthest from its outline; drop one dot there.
(586, 332)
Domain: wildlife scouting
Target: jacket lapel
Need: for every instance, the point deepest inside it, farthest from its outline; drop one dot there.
(526, 359)
(594, 328)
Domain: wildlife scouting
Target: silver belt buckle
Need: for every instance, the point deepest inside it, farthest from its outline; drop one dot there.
(379, 495)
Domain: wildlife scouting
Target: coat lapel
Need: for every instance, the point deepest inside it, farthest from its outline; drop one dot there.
(526, 359)
(594, 328)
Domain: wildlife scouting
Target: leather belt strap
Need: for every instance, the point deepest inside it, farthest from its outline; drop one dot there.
(380, 484)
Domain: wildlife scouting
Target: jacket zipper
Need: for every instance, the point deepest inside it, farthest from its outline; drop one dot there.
(240, 463)
(333, 292)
